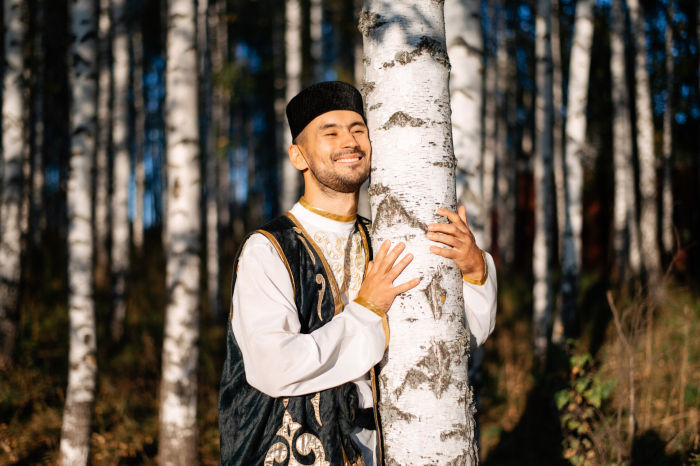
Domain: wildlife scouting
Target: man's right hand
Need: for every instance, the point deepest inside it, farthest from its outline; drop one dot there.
(378, 285)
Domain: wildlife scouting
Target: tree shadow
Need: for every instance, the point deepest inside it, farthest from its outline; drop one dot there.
(649, 449)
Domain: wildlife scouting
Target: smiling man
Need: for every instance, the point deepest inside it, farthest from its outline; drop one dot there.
(308, 317)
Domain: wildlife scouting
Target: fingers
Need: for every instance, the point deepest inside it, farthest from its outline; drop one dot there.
(444, 228)
(445, 239)
(390, 258)
(454, 218)
(369, 267)
(449, 253)
(462, 211)
(400, 267)
(406, 286)
(383, 249)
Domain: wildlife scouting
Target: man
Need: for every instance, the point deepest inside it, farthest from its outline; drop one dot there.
(308, 311)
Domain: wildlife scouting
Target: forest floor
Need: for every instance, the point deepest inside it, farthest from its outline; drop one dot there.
(521, 423)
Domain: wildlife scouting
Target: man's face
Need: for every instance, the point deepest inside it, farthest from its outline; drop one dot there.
(337, 150)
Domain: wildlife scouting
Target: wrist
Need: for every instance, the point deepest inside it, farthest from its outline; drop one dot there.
(480, 275)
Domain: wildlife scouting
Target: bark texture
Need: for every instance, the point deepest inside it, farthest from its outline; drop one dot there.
(80, 394)
(178, 406)
(645, 146)
(218, 25)
(139, 132)
(122, 168)
(13, 147)
(426, 402)
(465, 48)
(543, 293)
(291, 179)
(667, 192)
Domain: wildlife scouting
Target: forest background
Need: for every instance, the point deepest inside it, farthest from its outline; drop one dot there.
(604, 370)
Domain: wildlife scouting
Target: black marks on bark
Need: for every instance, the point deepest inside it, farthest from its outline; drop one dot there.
(390, 212)
(467, 458)
(390, 461)
(377, 189)
(442, 164)
(411, 320)
(433, 369)
(413, 379)
(460, 431)
(366, 88)
(402, 119)
(375, 106)
(436, 294)
(388, 64)
(367, 60)
(427, 45)
(440, 3)
(390, 413)
(369, 21)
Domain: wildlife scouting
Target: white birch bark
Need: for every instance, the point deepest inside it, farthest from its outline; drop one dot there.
(104, 130)
(178, 405)
(543, 293)
(489, 153)
(316, 33)
(82, 363)
(13, 147)
(139, 133)
(218, 25)
(426, 402)
(645, 146)
(291, 179)
(465, 47)
(577, 102)
(121, 170)
(38, 211)
(667, 190)
(363, 207)
(210, 159)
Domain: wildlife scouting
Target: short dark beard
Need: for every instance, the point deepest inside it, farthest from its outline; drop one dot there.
(333, 180)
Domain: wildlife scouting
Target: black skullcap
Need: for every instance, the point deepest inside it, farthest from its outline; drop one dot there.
(319, 99)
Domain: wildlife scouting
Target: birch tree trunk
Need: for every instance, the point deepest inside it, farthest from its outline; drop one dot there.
(363, 207)
(645, 146)
(13, 147)
(316, 33)
(210, 159)
(489, 151)
(292, 45)
(104, 130)
(465, 47)
(426, 402)
(139, 133)
(543, 293)
(218, 25)
(82, 363)
(38, 211)
(577, 102)
(667, 192)
(121, 172)
(178, 406)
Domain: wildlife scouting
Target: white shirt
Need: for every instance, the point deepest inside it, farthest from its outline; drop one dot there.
(279, 361)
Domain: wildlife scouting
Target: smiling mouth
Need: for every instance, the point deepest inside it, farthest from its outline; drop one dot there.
(349, 159)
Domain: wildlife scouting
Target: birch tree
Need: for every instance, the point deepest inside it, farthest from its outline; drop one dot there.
(139, 132)
(667, 190)
(13, 148)
(426, 403)
(178, 405)
(543, 293)
(121, 171)
(104, 130)
(38, 211)
(465, 48)
(577, 102)
(645, 146)
(82, 363)
(292, 46)
(218, 26)
(316, 33)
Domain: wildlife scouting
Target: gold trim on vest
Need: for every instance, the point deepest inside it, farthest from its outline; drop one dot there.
(323, 213)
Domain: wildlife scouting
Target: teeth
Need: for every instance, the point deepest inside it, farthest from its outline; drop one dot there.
(348, 160)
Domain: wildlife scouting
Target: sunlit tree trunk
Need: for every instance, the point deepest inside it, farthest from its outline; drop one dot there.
(543, 293)
(426, 402)
(489, 150)
(178, 393)
(465, 47)
(210, 158)
(667, 192)
(316, 33)
(218, 26)
(645, 146)
(121, 172)
(38, 211)
(13, 147)
(363, 207)
(139, 133)
(292, 44)
(82, 363)
(104, 130)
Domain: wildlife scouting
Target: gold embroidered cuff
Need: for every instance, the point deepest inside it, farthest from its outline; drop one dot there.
(385, 323)
(471, 281)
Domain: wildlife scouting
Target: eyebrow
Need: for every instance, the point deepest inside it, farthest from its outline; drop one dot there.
(335, 125)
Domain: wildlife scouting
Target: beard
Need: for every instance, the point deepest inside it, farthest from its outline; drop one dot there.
(342, 183)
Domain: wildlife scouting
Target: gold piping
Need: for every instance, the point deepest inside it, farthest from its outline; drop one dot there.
(331, 278)
(376, 417)
(320, 280)
(471, 281)
(323, 213)
(385, 323)
(365, 244)
(284, 258)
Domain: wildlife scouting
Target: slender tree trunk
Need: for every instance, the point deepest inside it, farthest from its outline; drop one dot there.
(178, 406)
(210, 159)
(13, 146)
(363, 207)
(38, 210)
(465, 48)
(139, 133)
(122, 172)
(291, 179)
(645, 147)
(577, 102)
(426, 402)
(82, 362)
(220, 110)
(489, 146)
(667, 193)
(316, 30)
(104, 130)
(543, 293)
(280, 80)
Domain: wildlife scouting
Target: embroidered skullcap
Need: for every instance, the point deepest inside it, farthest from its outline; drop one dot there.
(319, 99)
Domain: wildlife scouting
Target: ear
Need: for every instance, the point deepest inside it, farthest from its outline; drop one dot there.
(296, 158)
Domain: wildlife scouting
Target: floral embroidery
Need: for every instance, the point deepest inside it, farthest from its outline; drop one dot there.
(306, 444)
(346, 259)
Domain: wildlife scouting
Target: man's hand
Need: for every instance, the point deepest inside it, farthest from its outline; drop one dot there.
(378, 285)
(464, 252)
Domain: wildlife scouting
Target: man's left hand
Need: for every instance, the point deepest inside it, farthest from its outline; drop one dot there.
(464, 252)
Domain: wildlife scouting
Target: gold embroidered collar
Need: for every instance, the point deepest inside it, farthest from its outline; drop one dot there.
(338, 218)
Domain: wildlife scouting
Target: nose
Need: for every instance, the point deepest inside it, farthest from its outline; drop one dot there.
(348, 140)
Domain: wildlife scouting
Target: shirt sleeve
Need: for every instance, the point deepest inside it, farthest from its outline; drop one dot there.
(480, 305)
(280, 361)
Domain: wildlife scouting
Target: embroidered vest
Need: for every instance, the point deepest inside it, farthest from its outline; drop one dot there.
(256, 429)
